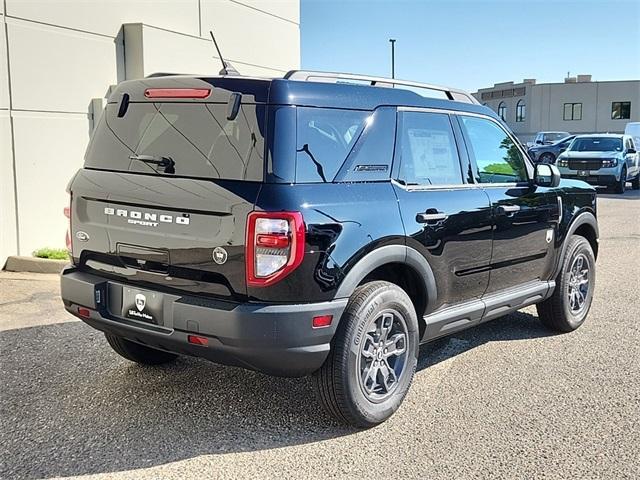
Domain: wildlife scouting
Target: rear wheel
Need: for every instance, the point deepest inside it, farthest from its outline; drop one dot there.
(622, 184)
(373, 356)
(138, 353)
(569, 305)
(635, 183)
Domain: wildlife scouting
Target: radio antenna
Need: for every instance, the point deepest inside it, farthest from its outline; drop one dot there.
(227, 68)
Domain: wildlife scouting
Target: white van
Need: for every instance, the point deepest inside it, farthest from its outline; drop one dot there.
(633, 130)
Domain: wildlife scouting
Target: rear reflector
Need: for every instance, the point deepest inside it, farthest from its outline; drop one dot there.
(177, 92)
(196, 340)
(67, 213)
(84, 312)
(322, 321)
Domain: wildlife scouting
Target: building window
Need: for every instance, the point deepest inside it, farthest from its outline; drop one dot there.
(521, 111)
(502, 111)
(620, 110)
(572, 111)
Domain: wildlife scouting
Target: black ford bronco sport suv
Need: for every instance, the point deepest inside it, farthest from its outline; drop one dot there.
(322, 224)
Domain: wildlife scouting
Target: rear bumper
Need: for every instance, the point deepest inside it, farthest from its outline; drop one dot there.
(274, 339)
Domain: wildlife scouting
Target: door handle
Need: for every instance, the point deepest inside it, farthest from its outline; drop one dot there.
(507, 209)
(431, 217)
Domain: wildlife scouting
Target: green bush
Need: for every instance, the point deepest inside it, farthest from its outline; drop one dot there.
(52, 253)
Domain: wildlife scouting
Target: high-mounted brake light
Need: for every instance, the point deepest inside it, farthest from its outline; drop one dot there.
(274, 246)
(177, 92)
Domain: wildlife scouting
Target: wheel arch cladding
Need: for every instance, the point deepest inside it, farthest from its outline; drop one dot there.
(585, 225)
(397, 264)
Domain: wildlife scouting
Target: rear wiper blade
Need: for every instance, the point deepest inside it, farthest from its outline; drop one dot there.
(165, 162)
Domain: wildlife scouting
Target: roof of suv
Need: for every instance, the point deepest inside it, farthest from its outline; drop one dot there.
(601, 135)
(331, 90)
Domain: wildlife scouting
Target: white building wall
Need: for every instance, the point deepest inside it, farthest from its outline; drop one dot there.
(62, 54)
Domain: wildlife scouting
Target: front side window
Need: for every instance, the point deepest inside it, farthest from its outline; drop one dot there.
(521, 111)
(497, 157)
(620, 110)
(427, 150)
(572, 111)
(502, 111)
(325, 137)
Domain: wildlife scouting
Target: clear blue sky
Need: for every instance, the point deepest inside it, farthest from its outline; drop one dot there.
(473, 44)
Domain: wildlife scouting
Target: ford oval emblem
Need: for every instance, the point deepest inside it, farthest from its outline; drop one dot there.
(82, 236)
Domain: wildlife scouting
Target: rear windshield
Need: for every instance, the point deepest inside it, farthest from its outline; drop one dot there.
(554, 136)
(197, 137)
(597, 144)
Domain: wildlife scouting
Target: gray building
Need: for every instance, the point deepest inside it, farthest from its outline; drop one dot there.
(58, 61)
(578, 105)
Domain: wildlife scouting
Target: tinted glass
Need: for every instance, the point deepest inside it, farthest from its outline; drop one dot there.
(197, 136)
(325, 137)
(427, 150)
(572, 111)
(597, 144)
(496, 155)
(620, 110)
(554, 136)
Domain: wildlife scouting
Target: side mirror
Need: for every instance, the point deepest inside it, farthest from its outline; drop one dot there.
(539, 142)
(547, 175)
(631, 151)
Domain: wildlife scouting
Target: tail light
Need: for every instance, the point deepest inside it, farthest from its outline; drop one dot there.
(67, 213)
(274, 247)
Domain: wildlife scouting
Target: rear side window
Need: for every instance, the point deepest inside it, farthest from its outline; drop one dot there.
(427, 150)
(325, 136)
(198, 137)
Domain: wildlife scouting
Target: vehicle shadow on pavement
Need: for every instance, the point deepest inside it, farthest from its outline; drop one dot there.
(628, 195)
(516, 326)
(71, 406)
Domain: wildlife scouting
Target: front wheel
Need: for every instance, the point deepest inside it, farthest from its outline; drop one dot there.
(373, 356)
(569, 305)
(622, 184)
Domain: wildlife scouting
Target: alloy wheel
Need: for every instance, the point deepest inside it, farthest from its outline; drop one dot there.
(383, 355)
(579, 276)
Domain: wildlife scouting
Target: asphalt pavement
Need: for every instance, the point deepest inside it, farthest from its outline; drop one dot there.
(507, 399)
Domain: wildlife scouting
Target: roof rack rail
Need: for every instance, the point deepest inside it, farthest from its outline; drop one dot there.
(334, 77)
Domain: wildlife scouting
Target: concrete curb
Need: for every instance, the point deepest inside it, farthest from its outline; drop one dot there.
(35, 265)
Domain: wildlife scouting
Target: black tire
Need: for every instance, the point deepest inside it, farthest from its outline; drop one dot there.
(339, 383)
(556, 312)
(635, 183)
(548, 158)
(621, 186)
(138, 353)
